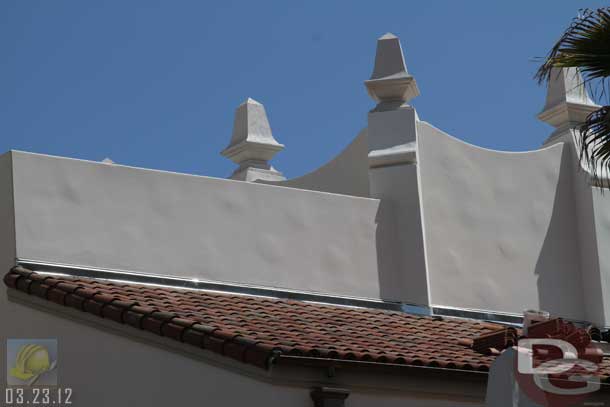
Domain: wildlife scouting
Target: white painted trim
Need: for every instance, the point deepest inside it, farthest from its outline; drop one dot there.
(396, 155)
(422, 217)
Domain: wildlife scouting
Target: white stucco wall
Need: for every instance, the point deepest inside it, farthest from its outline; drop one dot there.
(500, 228)
(590, 266)
(601, 291)
(346, 174)
(592, 215)
(110, 216)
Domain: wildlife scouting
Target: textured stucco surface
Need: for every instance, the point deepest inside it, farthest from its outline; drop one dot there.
(592, 214)
(601, 205)
(346, 174)
(400, 252)
(499, 227)
(93, 214)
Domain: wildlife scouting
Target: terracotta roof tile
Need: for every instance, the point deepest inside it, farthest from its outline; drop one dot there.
(496, 340)
(254, 329)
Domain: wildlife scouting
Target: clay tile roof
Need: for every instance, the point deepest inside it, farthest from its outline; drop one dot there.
(254, 329)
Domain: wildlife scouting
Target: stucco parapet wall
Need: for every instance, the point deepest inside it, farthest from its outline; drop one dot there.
(499, 227)
(110, 216)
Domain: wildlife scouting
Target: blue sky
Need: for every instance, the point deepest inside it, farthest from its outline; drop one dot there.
(155, 84)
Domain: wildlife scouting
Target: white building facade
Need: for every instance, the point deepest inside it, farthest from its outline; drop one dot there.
(406, 219)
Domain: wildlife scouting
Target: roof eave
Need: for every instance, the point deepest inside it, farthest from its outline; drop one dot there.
(394, 368)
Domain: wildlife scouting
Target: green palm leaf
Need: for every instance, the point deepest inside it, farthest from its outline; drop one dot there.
(595, 145)
(586, 45)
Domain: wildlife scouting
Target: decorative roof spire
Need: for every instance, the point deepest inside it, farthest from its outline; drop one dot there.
(252, 144)
(567, 101)
(390, 81)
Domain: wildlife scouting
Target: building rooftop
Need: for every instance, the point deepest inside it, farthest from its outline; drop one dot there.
(261, 330)
(255, 329)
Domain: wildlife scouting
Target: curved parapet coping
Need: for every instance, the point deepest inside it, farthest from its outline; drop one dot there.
(346, 174)
(572, 138)
(425, 127)
(603, 181)
(499, 226)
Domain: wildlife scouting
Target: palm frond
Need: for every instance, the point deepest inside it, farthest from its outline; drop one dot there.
(585, 44)
(595, 145)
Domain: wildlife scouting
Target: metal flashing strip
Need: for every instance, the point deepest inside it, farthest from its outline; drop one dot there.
(246, 289)
(235, 288)
(506, 318)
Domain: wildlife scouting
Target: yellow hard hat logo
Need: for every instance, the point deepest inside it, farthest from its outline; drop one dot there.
(32, 360)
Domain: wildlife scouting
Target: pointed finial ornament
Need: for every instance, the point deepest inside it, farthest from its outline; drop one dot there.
(390, 81)
(252, 144)
(567, 101)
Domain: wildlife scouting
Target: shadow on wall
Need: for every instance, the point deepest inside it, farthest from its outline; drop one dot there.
(558, 292)
(386, 235)
(399, 238)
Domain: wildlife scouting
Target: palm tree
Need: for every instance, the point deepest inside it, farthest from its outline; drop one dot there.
(586, 45)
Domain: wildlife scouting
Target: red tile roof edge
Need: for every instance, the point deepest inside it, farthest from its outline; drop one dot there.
(94, 297)
(65, 292)
(161, 323)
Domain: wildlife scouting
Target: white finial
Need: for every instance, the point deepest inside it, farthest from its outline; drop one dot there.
(390, 81)
(567, 101)
(252, 144)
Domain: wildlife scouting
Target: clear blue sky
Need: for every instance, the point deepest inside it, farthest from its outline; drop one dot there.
(155, 83)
